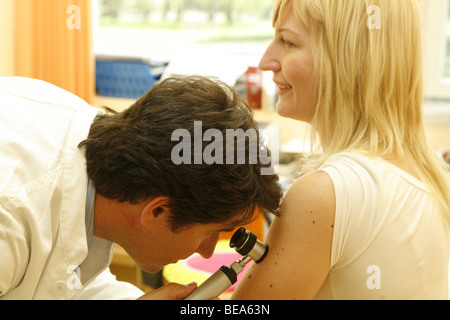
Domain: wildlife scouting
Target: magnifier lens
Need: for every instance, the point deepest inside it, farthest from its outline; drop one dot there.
(246, 243)
(238, 238)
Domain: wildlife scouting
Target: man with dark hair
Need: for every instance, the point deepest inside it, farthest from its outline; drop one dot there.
(74, 181)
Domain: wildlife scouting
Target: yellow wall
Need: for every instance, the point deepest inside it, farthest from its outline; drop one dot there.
(53, 42)
(7, 61)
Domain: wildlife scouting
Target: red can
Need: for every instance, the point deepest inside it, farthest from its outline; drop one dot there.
(254, 87)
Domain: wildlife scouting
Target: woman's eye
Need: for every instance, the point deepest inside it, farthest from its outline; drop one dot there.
(286, 43)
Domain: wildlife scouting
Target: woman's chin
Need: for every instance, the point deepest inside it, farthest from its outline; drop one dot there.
(286, 110)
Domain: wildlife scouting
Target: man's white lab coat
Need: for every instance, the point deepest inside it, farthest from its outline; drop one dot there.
(43, 184)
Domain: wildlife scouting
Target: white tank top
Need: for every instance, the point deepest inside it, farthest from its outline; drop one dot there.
(390, 240)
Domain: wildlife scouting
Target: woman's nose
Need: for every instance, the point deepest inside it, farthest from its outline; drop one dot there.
(269, 61)
(207, 247)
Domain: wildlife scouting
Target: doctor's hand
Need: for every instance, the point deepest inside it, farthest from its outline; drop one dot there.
(172, 291)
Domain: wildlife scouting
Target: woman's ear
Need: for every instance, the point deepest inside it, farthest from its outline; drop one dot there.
(156, 208)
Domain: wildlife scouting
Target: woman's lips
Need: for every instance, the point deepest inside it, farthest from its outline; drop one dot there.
(282, 87)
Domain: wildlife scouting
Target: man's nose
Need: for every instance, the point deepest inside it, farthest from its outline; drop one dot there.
(207, 247)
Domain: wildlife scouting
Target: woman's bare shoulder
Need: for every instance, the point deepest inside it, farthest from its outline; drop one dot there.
(299, 244)
(311, 190)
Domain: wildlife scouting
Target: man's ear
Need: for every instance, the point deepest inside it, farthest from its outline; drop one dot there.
(156, 208)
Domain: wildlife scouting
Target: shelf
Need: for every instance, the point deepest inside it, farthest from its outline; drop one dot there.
(118, 104)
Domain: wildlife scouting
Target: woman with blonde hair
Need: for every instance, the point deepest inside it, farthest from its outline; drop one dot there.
(370, 219)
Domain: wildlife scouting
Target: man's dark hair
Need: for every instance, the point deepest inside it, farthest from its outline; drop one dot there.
(129, 155)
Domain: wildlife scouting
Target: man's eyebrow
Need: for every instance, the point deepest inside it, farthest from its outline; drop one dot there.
(227, 229)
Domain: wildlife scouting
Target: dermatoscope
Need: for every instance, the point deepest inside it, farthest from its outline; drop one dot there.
(246, 244)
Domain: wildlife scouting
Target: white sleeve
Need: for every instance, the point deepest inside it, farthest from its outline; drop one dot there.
(106, 287)
(14, 252)
(356, 202)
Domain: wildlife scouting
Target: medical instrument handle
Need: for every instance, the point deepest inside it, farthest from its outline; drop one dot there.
(220, 281)
(246, 244)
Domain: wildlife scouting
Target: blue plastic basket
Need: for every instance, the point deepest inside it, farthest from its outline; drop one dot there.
(125, 78)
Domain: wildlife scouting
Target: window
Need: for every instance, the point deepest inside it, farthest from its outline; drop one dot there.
(447, 56)
(219, 38)
(436, 21)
